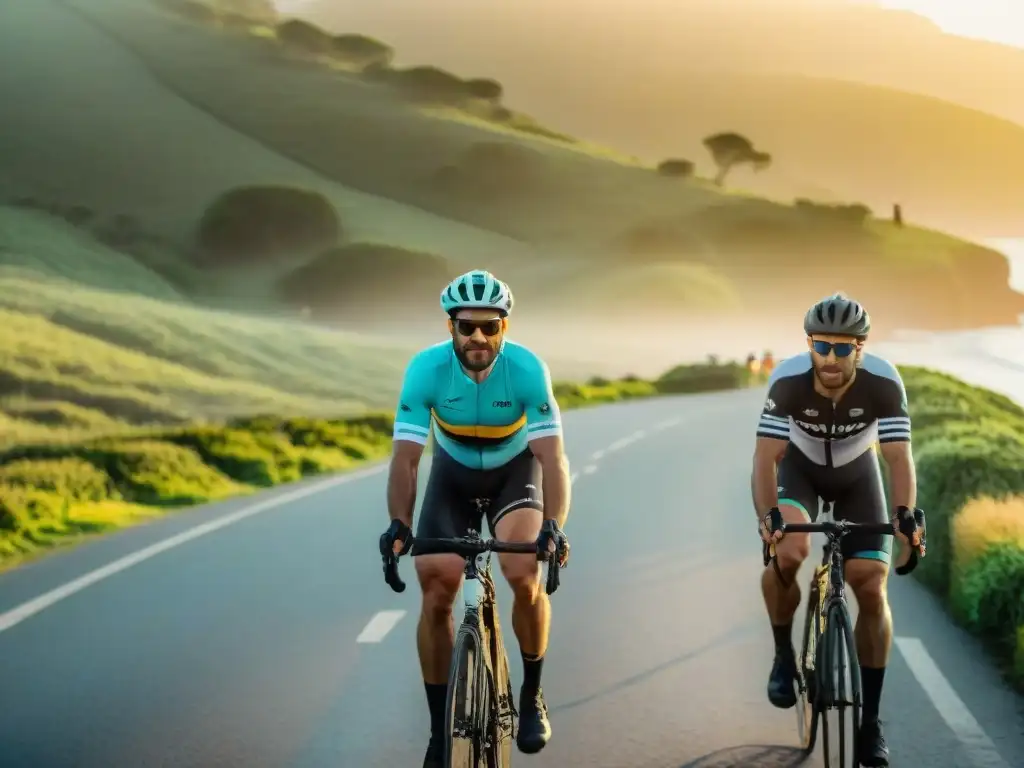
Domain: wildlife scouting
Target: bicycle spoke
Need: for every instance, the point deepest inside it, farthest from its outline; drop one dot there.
(842, 719)
(463, 704)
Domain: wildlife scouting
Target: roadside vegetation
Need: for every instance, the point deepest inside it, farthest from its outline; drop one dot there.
(969, 451)
(54, 490)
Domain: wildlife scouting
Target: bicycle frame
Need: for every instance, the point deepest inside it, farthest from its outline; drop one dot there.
(494, 724)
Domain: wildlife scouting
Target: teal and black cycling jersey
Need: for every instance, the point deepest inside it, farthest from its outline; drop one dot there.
(483, 425)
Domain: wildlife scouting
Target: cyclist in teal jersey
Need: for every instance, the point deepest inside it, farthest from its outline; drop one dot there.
(498, 436)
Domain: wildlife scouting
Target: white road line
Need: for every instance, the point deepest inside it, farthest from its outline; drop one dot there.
(597, 455)
(640, 434)
(590, 469)
(574, 478)
(619, 444)
(26, 610)
(978, 747)
(379, 626)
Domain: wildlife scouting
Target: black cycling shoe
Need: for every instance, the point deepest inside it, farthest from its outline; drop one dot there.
(782, 681)
(534, 728)
(435, 754)
(871, 746)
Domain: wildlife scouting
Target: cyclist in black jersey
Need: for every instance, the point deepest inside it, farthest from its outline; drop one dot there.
(824, 412)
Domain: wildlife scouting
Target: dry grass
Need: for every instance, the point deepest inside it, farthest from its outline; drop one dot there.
(985, 521)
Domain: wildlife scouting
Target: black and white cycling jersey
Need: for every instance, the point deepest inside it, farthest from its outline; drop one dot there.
(829, 434)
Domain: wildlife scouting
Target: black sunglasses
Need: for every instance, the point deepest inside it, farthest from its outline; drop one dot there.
(843, 349)
(487, 327)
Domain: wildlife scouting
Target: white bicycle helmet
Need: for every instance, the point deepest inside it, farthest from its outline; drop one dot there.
(478, 289)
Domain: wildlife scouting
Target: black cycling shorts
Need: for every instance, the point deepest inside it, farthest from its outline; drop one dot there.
(856, 493)
(448, 508)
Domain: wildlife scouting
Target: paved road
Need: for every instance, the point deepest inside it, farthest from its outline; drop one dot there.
(239, 648)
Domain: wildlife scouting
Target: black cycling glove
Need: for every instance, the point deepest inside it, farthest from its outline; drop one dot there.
(397, 531)
(909, 521)
(550, 532)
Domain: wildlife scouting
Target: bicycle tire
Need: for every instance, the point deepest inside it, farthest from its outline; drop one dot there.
(839, 661)
(467, 704)
(807, 702)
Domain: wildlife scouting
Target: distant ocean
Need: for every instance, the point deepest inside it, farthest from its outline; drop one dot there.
(992, 358)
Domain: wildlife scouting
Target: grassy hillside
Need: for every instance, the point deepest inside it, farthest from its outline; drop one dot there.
(856, 41)
(559, 205)
(93, 340)
(785, 73)
(167, 242)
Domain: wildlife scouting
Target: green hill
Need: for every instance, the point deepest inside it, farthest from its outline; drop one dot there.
(167, 242)
(861, 102)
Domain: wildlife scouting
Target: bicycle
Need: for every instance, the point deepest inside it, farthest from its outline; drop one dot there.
(820, 678)
(480, 713)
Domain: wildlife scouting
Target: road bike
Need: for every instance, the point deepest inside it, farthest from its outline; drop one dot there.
(480, 713)
(828, 669)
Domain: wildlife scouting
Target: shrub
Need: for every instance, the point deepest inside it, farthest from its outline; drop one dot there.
(157, 473)
(982, 522)
(255, 222)
(990, 598)
(1018, 659)
(253, 458)
(191, 9)
(676, 168)
(363, 51)
(367, 276)
(495, 170)
(703, 377)
(69, 477)
(304, 36)
(937, 398)
(572, 395)
(484, 88)
(856, 214)
(428, 83)
(950, 472)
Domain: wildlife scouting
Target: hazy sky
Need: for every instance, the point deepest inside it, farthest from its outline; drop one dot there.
(1000, 21)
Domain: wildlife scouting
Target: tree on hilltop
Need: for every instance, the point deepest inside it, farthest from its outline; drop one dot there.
(731, 149)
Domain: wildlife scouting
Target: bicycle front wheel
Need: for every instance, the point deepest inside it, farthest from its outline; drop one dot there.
(841, 694)
(467, 703)
(806, 676)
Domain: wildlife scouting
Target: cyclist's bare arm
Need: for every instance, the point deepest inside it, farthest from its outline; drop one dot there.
(903, 481)
(768, 451)
(412, 430)
(902, 473)
(550, 452)
(402, 476)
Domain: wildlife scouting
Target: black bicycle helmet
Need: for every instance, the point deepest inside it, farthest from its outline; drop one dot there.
(837, 315)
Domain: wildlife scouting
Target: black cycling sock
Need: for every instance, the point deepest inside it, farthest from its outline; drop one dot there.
(532, 666)
(783, 637)
(437, 695)
(871, 681)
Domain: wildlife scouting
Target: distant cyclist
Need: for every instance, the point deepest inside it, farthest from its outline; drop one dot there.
(824, 412)
(497, 435)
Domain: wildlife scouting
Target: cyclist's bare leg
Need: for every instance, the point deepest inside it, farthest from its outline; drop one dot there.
(440, 577)
(531, 609)
(869, 579)
(782, 600)
(531, 617)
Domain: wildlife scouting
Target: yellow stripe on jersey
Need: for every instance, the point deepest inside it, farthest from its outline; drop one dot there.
(480, 430)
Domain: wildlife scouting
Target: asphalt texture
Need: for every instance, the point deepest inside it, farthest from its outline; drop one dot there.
(238, 648)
